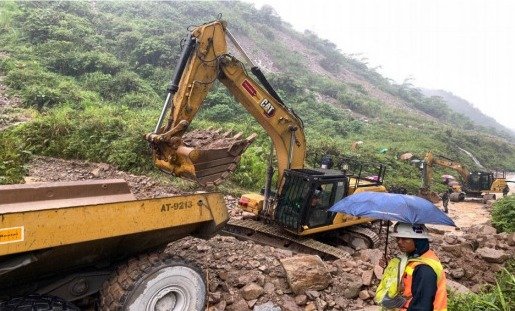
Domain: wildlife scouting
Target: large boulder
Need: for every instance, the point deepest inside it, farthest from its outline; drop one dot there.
(252, 291)
(348, 284)
(492, 255)
(487, 230)
(269, 306)
(457, 287)
(306, 272)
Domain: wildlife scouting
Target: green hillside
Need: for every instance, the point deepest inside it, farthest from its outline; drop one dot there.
(94, 75)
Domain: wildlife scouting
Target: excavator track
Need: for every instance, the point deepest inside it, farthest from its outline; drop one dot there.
(273, 236)
(371, 237)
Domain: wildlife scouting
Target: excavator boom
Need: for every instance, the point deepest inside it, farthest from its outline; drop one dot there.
(204, 60)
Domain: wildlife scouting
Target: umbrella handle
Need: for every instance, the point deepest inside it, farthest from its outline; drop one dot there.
(386, 244)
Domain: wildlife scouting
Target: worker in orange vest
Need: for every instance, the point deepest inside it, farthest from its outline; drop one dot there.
(423, 285)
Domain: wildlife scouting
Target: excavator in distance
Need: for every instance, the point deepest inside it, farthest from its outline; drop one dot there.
(476, 184)
(287, 213)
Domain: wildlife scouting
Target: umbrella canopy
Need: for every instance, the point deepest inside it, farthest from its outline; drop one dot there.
(392, 206)
(373, 177)
(444, 177)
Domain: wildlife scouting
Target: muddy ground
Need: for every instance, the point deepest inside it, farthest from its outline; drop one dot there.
(466, 251)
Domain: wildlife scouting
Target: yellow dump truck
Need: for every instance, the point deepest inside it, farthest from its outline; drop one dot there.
(63, 245)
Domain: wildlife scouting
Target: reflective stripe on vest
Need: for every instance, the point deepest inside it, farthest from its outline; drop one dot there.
(428, 258)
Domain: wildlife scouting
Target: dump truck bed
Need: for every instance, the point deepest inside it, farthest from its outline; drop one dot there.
(50, 230)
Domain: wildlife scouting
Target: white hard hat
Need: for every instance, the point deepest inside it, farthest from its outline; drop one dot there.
(403, 230)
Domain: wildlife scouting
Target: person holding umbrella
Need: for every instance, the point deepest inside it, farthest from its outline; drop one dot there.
(422, 282)
(416, 281)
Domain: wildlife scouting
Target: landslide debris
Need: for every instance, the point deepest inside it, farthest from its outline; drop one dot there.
(244, 275)
(212, 139)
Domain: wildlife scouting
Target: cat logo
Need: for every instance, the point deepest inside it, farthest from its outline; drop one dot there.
(268, 108)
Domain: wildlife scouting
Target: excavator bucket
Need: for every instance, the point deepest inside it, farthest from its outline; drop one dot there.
(205, 156)
(429, 195)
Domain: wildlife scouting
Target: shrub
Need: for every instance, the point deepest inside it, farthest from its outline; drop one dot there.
(503, 214)
(13, 158)
(25, 76)
(127, 82)
(136, 100)
(99, 133)
(43, 96)
(98, 82)
(252, 169)
(79, 63)
(219, 113)
(131, 154)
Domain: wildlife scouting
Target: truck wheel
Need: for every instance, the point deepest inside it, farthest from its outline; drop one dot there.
(155, 282)
(36, 302)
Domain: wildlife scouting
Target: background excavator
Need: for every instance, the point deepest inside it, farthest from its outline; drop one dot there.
(288, 213)
(475, 184)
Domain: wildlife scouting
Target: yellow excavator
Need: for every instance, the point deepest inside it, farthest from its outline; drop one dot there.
(288, 212)
(475, 184)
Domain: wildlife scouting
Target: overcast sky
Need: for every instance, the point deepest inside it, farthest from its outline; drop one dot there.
(466, 47)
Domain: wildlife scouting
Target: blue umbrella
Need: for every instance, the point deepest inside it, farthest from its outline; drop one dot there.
(392, 206)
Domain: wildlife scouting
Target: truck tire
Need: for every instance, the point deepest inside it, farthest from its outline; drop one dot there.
(36, 302)
(155, 282)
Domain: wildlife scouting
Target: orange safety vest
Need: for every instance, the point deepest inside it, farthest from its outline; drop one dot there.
(428, 258)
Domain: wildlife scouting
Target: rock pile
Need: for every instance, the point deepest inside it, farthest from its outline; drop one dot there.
(243, 275)
(475, 257)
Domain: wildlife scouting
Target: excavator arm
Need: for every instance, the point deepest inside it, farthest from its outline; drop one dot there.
(204, 60)
(430, 160)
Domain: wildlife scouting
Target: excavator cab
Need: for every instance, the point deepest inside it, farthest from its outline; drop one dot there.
(479, 182)
(306, 196)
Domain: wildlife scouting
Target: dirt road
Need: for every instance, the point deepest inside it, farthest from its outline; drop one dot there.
(466, 214)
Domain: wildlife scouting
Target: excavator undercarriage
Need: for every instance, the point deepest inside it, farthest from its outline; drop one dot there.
(266, 234)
